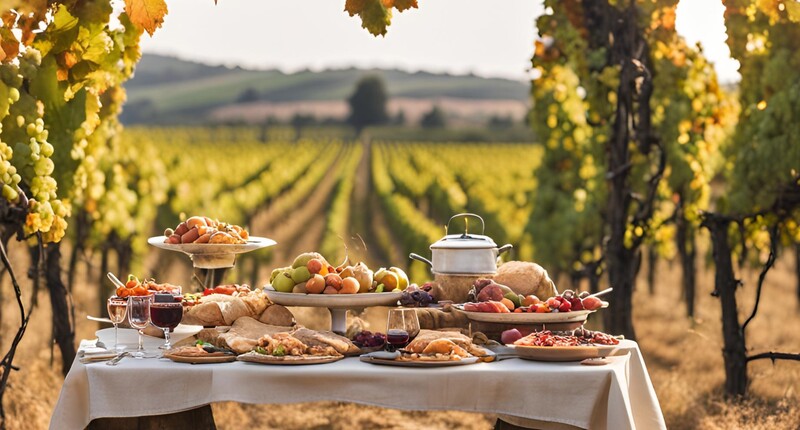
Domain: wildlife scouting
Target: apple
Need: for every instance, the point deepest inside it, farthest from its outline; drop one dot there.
(510, 336)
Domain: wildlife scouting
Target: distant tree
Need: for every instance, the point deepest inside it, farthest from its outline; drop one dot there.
(498, 121)
(435, 118)
(248, 95)
(399, 118)
(368, 103)
(300, 120)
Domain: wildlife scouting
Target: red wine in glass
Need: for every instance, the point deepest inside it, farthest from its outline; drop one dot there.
(166, 316)
(397, 338)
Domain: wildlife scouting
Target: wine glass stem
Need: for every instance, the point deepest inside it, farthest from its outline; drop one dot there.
(116, 339)
(167, 345)
(140, 350)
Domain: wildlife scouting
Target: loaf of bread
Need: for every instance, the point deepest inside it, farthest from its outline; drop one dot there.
(526, 278)
(223, 309)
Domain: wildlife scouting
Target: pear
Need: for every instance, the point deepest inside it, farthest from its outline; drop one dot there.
(300, 275)
(514, 297)
(276, 272)
(283, 283)
(304, 258)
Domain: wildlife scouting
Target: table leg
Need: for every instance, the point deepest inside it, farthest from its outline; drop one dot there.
(200, 418)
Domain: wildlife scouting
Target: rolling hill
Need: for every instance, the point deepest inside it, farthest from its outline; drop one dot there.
(168, 90)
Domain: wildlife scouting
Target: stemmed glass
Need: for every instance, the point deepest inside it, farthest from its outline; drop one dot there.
(139, 318)
(117, 309)
(166, 313)
(402, 326)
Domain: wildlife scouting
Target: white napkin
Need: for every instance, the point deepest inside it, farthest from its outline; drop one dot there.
(89, 351)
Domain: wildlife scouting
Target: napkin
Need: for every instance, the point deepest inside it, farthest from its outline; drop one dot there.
(93, 350)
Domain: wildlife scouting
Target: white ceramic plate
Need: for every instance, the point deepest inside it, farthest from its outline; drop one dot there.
(212, 255)
(524, 317)
(564, 353)
(333, 301)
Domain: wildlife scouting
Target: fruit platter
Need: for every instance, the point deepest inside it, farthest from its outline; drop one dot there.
(312, 281)
(210, 244)
(497, 303)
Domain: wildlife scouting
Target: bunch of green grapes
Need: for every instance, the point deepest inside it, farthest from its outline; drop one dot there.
(29, 161)
(10, 80)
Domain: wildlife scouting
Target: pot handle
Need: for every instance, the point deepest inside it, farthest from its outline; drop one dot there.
(504, 248)
(466, 214)
(418, 257)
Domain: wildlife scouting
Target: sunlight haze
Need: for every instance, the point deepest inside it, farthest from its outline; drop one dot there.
(455, 36)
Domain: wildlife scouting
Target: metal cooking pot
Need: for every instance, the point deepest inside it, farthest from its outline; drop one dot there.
(464, 253)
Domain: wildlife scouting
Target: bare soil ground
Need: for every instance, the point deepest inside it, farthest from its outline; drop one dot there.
(683, 356)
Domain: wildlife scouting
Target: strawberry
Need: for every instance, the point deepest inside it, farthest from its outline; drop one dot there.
(575, 301)
(565, 306)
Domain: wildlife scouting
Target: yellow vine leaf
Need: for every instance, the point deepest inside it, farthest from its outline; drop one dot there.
(793, 10)
(148, 14)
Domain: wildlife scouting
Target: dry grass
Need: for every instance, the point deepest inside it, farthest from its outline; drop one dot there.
(683, 356)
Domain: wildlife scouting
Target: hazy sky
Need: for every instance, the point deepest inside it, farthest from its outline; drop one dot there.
(486, 37)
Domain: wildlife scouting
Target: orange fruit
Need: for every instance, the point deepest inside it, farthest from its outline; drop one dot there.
(509, 304)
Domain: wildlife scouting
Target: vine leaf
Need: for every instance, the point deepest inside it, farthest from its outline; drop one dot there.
(9, 45)
(148, 14)
(793, 10)
(376, 15)
(401, 5)
(354, 7)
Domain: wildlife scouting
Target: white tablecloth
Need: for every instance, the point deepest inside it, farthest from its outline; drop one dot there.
(618, 395)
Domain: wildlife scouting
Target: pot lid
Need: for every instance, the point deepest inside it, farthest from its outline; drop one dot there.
(464, 241)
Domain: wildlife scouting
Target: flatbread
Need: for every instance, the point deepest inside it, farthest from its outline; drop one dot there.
(323, 339)
(277, 315)
(204, 314)
(244, 334)
(426, 337)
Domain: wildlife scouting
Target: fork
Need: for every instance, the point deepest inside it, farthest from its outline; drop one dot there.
(114, 361)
